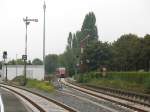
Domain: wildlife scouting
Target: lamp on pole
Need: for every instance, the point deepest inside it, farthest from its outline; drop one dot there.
(44, 8)
(24, 57)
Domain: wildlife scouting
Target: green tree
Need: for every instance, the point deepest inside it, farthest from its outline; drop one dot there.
(12, 62)
(146, 52)
(126, 52)
(69, 41)
(19, 62)
(89, 27)
(97, 55)
(69, 57)
(0, 64)
(51, 63)
(37, 61)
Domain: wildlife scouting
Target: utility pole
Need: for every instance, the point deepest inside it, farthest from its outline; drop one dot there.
(5, 63)
(27, 22)
(44, 8)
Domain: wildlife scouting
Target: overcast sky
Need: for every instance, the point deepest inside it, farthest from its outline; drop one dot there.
(114, 18)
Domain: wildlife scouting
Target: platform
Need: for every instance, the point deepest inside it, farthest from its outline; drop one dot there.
(11, 103)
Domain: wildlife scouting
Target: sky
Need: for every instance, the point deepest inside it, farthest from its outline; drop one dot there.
(114, 18)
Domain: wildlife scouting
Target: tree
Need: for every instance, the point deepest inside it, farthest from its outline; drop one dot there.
(51, 63)
(89, 27)
(70, 41)
(12, 62)
(146, 52)
(69, 57)
(0, 64)
(37, 61)
(126, 53)
(97, 55)
(18, 62)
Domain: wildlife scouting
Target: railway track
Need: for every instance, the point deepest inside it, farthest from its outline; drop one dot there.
(121, 99)
(142, 99)
(42, 103)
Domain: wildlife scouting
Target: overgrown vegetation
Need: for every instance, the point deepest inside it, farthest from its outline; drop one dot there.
(32, 83)
(133, 81)
(41, 85)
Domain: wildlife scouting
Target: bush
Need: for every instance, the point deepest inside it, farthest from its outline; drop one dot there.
(84, 78)
(138, 77)
(147, 84)
(19, 80)
(136, 81)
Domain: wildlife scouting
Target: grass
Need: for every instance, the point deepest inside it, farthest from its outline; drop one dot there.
(45, 86)
(133, 81)
(33, 83)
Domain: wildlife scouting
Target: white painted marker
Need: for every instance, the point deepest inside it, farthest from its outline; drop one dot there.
(1, 104)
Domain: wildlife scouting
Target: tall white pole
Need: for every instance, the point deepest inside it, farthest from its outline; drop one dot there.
(44, 8)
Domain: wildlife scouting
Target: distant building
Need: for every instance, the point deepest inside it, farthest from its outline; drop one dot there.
(33, 71)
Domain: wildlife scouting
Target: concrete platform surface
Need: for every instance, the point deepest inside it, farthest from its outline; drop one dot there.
(12, 103)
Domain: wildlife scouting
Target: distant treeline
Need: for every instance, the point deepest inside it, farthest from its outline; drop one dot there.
(35, 61)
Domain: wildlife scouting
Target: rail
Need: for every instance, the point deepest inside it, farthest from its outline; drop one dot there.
(70, 109)
(141, 99)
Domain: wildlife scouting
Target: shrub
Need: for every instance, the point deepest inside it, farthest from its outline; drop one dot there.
(41, 85)
(136, 81)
